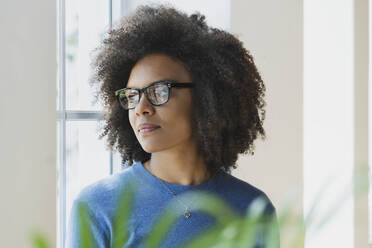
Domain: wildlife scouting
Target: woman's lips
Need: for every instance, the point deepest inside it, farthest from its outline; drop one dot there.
(147, 130)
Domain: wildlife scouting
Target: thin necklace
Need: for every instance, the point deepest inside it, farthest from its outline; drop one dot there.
(187, 213)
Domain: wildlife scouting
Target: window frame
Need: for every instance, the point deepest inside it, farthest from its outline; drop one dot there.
(64, 116)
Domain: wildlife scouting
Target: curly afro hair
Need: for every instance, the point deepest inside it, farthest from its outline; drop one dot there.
(228, 95)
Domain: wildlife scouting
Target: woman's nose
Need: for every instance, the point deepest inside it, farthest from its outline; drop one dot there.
(144, 106)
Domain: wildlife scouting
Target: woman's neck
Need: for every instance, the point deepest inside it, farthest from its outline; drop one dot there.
(182, 172)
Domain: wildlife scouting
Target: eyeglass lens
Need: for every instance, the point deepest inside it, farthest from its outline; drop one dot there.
(156, 94)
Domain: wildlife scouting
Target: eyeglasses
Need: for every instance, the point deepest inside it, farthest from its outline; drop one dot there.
(157, 93)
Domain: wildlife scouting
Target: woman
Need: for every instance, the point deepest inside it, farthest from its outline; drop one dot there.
(182, 100)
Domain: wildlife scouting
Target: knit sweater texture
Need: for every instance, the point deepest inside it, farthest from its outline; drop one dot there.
(151, 198)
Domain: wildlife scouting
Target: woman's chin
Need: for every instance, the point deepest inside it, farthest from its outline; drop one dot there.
(150, 148)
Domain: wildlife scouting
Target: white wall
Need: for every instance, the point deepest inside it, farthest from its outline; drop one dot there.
(363, 117)
(28, 125)
(313, 56)
(272, 32)
(329, 120)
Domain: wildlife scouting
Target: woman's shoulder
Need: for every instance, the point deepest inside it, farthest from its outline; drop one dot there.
(243, 193)
(103, 191)
(240, 185)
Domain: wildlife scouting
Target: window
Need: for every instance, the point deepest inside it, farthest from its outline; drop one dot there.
(82, 157)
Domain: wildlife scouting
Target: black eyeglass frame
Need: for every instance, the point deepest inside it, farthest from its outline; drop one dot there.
(169, 84)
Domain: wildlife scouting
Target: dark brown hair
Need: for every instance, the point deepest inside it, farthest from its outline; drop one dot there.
(228, 96)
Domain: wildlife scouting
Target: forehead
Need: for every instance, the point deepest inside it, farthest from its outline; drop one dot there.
(155, 67)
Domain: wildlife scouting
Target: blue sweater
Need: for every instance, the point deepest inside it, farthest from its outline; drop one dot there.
(150, 199)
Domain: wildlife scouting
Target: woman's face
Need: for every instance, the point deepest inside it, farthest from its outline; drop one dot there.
(173, 117)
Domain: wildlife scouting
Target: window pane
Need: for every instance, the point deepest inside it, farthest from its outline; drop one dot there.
(86, 22)
(87, 159)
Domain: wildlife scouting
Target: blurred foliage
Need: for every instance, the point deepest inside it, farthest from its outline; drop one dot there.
(39, 240)
(231, 229)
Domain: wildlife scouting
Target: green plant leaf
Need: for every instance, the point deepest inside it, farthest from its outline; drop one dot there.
(86, 235)
(207, 238)
(38, 240)
(120, 226)
(206, 202)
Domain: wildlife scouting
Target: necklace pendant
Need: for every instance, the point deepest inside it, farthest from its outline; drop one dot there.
(187, 214)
